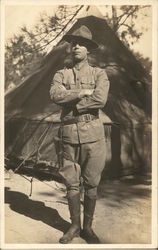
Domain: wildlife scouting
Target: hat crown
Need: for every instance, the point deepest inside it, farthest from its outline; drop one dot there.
(84, 32)
(84, 35)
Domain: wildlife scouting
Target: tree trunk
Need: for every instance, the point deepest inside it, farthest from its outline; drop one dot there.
(114, 19)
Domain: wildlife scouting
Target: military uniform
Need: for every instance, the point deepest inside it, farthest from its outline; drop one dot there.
(82, 131)
(81, 91)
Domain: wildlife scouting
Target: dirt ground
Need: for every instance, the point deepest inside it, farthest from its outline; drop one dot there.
(123, 211)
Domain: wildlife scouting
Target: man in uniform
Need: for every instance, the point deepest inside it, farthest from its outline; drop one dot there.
(81, 91)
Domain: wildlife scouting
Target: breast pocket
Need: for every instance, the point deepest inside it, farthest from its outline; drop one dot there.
(87, 83)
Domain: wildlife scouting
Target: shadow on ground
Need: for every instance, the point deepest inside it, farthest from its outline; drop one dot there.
(20, 203)
(126, 189)
(122, 203)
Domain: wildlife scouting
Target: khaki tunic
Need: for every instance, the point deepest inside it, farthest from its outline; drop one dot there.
(64, 91)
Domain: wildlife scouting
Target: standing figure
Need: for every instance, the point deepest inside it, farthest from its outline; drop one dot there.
(81, 91)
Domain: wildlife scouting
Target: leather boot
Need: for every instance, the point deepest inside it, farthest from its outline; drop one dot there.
(87, 232)
(74, 230)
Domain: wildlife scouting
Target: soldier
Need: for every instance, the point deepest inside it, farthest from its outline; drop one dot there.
(81, 91)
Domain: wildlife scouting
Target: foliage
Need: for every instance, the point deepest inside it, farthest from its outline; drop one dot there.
(21, 58)
(24, 52)
(123, 21)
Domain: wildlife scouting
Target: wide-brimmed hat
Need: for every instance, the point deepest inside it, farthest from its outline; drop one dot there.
(84, 35)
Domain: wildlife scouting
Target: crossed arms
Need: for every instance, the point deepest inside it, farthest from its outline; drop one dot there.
(84, 99)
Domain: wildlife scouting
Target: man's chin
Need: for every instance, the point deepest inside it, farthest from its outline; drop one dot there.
(77, 58)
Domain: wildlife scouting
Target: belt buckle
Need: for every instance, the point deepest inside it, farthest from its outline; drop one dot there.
(88, 118)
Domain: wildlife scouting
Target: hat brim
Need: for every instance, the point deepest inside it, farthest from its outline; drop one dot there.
(89, 44)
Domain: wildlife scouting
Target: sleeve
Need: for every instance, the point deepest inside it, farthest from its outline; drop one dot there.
(59, 94)
(100, 94)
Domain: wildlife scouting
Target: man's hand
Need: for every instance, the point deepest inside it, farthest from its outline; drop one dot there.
(85, 92)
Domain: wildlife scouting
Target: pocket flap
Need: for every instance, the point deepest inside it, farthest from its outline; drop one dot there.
(87, 80)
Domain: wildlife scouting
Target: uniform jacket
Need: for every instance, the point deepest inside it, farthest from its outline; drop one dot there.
(65, 88)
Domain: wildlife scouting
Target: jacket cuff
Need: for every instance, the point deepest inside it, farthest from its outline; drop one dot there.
(81, 106)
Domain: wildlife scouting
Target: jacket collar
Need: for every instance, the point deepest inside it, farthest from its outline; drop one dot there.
(80, 65)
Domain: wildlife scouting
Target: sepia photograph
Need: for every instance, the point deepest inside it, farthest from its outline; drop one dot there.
(79, 137)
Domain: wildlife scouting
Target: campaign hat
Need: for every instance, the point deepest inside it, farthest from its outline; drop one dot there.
(83, 36)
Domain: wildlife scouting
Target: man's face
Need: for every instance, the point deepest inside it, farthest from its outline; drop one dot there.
(79, 51)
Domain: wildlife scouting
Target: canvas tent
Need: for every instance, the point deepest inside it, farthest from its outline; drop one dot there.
(32, 120)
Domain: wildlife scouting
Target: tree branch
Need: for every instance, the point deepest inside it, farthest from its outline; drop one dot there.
(126, 25)
(122, 15)
(127, 18)
(43, 46)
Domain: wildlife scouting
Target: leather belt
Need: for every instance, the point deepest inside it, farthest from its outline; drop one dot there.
(81, 118)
